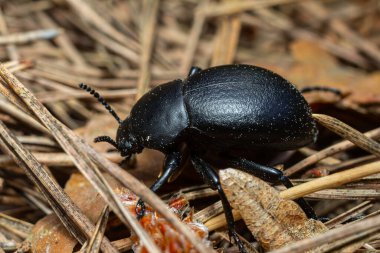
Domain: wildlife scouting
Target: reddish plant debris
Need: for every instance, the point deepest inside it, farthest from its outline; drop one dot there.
(165, 236)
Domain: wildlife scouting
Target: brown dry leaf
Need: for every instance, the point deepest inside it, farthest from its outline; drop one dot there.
(273, 221)
(313, 66)
(49, 235)
(316, 67)
(99, 124)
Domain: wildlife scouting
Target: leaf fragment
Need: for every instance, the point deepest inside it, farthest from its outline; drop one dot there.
(273, 221)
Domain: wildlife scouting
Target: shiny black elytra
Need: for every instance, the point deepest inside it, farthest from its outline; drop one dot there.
(222, 115)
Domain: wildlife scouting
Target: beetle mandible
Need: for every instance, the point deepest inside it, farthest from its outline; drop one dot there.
(223, 114)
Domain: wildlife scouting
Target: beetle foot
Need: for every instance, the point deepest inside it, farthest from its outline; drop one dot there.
(238, 242)
(323, 219)
(140, 209)
(355, 218)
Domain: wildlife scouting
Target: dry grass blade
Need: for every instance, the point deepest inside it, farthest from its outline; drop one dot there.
(331, 181)
(349, 214)
(16, 226)
(195, 33)
(320, 12)
(75, 222)
(149, 20)
(94, 244)
(83, 155)
(63, 41)
(8, 93)
(112, 45)
(274, 222)
(209, 212)
(123, 245)
(26, 37)
(332, 150)
(11, 48)
(20, 115)
(54, 159)
(75, 147)
(344, 193)
(86, 12)
(365, 227)
(226, 40)
(230, 7)
(348, 133)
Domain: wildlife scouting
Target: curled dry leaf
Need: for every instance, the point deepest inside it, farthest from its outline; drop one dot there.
(273, 221)
(49, 235)
(167, 238)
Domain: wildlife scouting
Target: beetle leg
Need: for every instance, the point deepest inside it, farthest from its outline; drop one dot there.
(271, 175)
(321, 88)
(211, 178)
(172, 163)
(193, 70)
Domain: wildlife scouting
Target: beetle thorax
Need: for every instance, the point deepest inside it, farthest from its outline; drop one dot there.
(159, 118)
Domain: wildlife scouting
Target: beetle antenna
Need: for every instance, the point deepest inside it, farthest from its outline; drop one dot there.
(106, 139)
(101, 100)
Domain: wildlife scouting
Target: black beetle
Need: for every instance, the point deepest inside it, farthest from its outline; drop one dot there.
(222, 115)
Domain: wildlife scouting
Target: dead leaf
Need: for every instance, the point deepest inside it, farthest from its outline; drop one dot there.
(49, 235)
(273, 221)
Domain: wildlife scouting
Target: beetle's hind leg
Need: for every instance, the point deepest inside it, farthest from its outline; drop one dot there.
(309, 89)
(211, 178)
(271, 175)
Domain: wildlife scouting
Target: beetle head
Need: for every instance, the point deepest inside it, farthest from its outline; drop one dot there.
(126, 142)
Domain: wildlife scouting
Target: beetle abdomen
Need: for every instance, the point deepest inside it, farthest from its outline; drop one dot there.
(247, 106)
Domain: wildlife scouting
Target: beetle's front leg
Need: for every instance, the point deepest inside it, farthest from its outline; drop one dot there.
(172, 163)
(211, 178)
